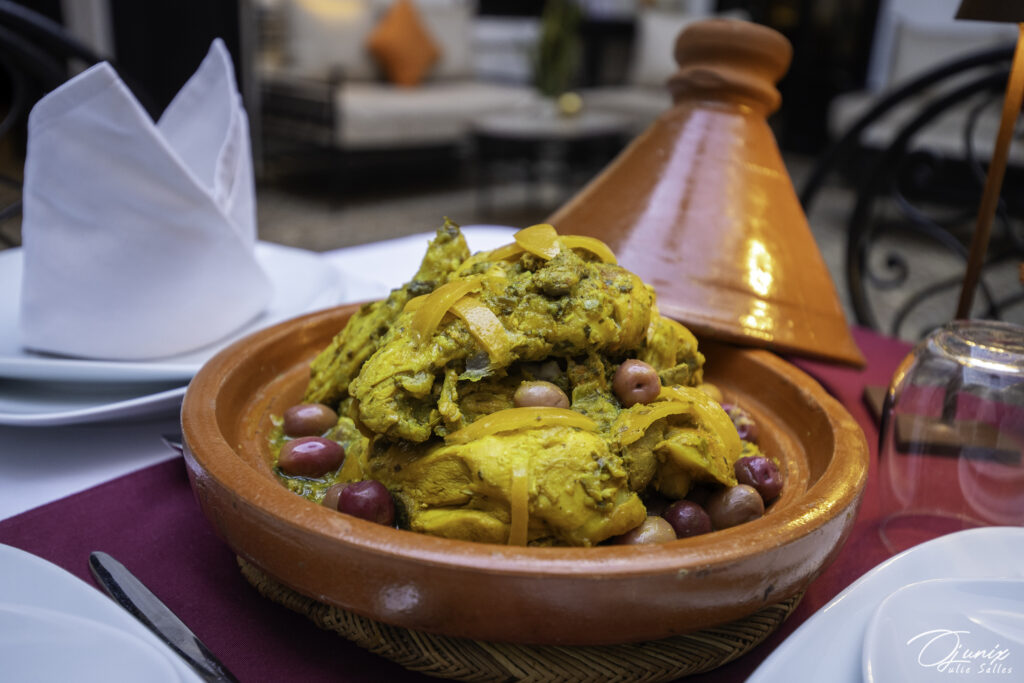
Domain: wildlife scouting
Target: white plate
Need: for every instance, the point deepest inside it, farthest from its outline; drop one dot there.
(24, 403)
(302, 281)
(44, 645)
(829, 645)
(372, 270)
(87, 635)
(932, 630)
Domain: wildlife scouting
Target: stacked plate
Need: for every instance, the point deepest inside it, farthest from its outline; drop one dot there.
(953, 606)
(45, 390)
(54, 626)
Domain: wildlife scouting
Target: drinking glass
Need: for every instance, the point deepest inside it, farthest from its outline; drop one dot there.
(951, 435)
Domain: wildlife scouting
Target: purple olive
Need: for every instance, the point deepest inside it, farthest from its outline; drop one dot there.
(369, 500)
(687, 519)
(310, 456)
(651, 530)
(540, 393)
(761, 473)
(636, 382)
(308, 419)
(745, 425)
(735, 505)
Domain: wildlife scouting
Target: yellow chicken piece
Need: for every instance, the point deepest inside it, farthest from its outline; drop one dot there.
(563, 307)
(576, 491)
(335, 366)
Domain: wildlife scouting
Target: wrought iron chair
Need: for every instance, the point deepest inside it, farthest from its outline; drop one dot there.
(36, 55)
(908, 233)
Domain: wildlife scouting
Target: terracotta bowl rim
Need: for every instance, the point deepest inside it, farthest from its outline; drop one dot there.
(838, 488)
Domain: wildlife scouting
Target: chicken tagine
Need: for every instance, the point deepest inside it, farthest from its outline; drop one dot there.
(528, 395)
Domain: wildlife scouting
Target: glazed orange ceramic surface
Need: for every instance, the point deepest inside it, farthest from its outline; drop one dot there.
(569, 596)
(701, 206)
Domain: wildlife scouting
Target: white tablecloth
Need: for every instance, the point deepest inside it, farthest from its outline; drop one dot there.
(42, 464)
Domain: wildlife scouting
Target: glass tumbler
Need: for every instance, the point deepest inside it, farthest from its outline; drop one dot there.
(951, 435)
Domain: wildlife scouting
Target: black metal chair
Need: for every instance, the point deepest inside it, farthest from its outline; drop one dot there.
(36, 56)
(908, 233)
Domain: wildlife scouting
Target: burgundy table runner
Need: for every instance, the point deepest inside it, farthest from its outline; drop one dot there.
(151, 522)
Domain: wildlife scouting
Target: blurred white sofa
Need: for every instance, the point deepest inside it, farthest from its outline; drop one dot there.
(321, 84)
(645, 95)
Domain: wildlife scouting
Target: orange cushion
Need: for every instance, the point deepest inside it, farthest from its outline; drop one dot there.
(402, 45)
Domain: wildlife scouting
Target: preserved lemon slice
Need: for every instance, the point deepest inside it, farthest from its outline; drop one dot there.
(591, 244)
(430, 308)
(513, 419)
(504, 252)
(485, 328)
(540, 240)
(415, 303)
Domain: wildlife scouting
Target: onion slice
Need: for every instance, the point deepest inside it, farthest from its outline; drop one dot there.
(631, 425)
(591, 244)
(708, 412)
(540, 240)
(514, 419)
(519, 504)
(429, 309)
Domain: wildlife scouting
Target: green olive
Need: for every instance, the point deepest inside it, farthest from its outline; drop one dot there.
(636, 382)
(332, 495)
(651, 530)
(735, 505)
(540, 393)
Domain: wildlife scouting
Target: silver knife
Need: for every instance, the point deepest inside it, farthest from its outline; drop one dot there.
(140, 602)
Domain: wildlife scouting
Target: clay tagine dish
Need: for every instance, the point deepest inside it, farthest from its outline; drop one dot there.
(708, 223)
(490, 592)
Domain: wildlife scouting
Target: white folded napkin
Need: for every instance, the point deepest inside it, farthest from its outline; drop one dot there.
(139, 237)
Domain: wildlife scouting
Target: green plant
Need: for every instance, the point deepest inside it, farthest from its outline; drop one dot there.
(558, 48)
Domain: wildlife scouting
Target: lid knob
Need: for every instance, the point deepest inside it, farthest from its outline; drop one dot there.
(737, 61)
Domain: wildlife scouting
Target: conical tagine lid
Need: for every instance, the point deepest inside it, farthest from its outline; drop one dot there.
(701, 206)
